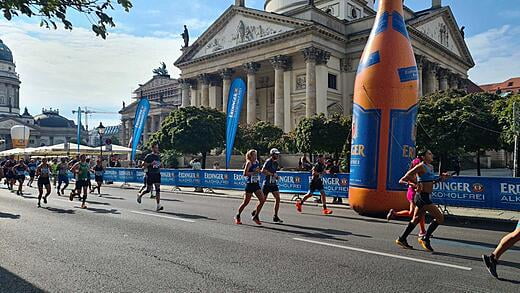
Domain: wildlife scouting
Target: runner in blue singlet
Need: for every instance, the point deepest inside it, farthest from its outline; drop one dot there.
(252, 174)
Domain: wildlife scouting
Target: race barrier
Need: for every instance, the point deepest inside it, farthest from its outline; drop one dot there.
(476, 192)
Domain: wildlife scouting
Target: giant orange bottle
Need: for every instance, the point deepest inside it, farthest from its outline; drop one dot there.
(384, 115)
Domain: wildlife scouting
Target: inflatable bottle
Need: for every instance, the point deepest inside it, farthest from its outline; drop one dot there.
(384, 115)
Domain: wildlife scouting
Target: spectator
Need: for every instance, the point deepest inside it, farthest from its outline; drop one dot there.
(304, 163)
(196, 166)
(456, 166)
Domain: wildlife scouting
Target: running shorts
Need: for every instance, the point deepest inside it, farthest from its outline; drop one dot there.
(252, 187)
(269, 188)
(32, 174)
(20, 177)
(63, 179)
(82, 183)
(316, 185)
(42, 181)
(98, 178)
(422, 199)
(153, 178)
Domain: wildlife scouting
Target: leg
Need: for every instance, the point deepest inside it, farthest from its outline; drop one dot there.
(276, 195)
(245, 202)
(323, 199)
(418, 213)
(84, 205)
(507, 242)
(65, 186)
(438, 220)
(40, 193)
(158, 196)
(261, 200)
(306, 197)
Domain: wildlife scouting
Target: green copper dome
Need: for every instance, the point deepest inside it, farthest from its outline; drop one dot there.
(5, 53)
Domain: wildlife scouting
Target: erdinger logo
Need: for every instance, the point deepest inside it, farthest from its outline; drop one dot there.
(343, 182)
(297, 179)
(477, 187)
(226, 176)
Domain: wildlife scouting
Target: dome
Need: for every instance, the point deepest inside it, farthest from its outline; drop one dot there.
(52, 118)
(5, 53)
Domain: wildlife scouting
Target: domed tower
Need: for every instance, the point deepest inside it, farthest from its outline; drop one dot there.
(9, 83)
(342, 9)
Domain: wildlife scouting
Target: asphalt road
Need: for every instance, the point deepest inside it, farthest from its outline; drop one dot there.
(117, 245)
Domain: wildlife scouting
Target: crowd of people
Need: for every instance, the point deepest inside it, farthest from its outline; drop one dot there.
(54, 172)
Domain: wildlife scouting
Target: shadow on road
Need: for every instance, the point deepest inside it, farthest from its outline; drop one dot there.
(60, 211)
(185, 216)
(480, 224)
(490, 246)
(98, 202)
(8, 216)
(321, 233)
(478, 259)
(509, 281)
(104, 211)
(112, 197)
(10, 282)
(171, 199)
(28, 196)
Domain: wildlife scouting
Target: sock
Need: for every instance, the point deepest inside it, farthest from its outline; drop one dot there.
(408, 230)
(431, 229)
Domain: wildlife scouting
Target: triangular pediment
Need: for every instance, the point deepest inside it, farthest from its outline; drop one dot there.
(240, 26)
(155, 82)
(441, 26)
(8, 122)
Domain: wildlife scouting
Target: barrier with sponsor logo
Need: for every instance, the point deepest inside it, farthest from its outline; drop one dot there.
(477, 192)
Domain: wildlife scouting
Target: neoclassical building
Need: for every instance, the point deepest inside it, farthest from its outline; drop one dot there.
(299, 58)
(164, 95)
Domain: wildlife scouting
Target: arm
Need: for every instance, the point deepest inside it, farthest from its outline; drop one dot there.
(38, 170)
(410, 176)
(246, 168)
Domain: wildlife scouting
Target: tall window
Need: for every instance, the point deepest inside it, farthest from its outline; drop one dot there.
(333, 81)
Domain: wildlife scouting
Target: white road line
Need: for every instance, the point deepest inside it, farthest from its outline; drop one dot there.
(386, 254)
(161, 216)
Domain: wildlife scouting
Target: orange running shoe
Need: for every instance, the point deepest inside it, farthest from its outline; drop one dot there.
(237, 221)
(299, 206)
(327, 212)
(257, 221)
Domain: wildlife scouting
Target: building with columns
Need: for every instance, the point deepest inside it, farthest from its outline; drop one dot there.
(164, 94)
(300, 58)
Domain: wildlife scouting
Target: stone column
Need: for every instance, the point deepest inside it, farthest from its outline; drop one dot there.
(280, 64)
(431, 75)
(185, 93)
(153, 123)
(287, 100)
(146, 130)
(348, 78)
(161, 119)
(312, 56)
(215, 92)
(453, 81)
(322, 83)
(194, 93)
(204, 79)
(251, 69)
(463, 85)
(225, 74)
(420, 60)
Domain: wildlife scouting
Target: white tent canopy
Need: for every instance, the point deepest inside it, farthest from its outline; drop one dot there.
(17, 151)
(61, 149)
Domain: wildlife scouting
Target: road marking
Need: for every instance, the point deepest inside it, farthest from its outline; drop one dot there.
(161, 216)
(386, 254)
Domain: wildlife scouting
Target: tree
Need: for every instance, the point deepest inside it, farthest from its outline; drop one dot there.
(322, 134)
(503, 111)
(478, 128)
(261, 136)
(53, 11)
(192, 130)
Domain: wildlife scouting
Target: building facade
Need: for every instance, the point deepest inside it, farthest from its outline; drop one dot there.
(300, 58)
(164, 95)
(47, 128)
(510, 86)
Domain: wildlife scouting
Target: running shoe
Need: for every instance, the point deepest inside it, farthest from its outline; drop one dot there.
(403, 243)
(299, 206)
(237, 220)
(390, 215)
(83, 206)
(152, 196)
(71, 196)
(39, 205)
(425, 243)
(59, 193)
(257, 221)
(45, 200)
(491, 265)
(160, 208)
(253, 213)
(139, 198)
(277, 220)
(327, 212)
(421, 234)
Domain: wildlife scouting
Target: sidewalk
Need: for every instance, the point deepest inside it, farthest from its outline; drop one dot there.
(456, 213)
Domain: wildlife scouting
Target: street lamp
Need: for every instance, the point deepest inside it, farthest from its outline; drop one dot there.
(101, 131)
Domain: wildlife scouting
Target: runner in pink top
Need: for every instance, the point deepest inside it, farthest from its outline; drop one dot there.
(409, 196)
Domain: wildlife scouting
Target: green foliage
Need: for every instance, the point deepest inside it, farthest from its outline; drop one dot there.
(323, 135)
(287, 143)
(503, 111)
(169, 159)
(53, 11)
(261, 136)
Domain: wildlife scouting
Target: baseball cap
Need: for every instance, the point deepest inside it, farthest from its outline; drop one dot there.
(274, 151)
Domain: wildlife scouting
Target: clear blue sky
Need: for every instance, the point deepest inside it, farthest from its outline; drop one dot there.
(65, 70)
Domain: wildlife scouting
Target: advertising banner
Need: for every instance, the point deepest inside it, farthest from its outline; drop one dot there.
(141, 113)
(234, 107)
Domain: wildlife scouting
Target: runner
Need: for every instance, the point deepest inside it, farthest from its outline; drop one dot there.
(271, 181)
(316, 184)
(507, 242)
(145, 178)
(43, 172)
(81, 169)
(63, 176)
(152, 162)
(77, 187)
(425, 177)
(54, 170)
(8, 172)
(252, 174)
(19, 173)
(98, 171)
(409, 195)
(89, 176)
(32, 171)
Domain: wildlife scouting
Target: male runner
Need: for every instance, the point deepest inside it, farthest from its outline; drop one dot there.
(271, 181)
(19, 173)
(81, 169)
(63, 177)
(152, 162)
(316, 184)
(43, 172)
(32, 171)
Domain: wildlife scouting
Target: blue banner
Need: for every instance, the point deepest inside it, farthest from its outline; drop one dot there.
(234, 107)
(401, 147)
(474, 192)
(141, 114)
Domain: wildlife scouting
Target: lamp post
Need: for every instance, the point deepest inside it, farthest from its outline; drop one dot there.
(101, 131)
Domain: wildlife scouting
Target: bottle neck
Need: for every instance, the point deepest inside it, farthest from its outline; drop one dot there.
(390, 6)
